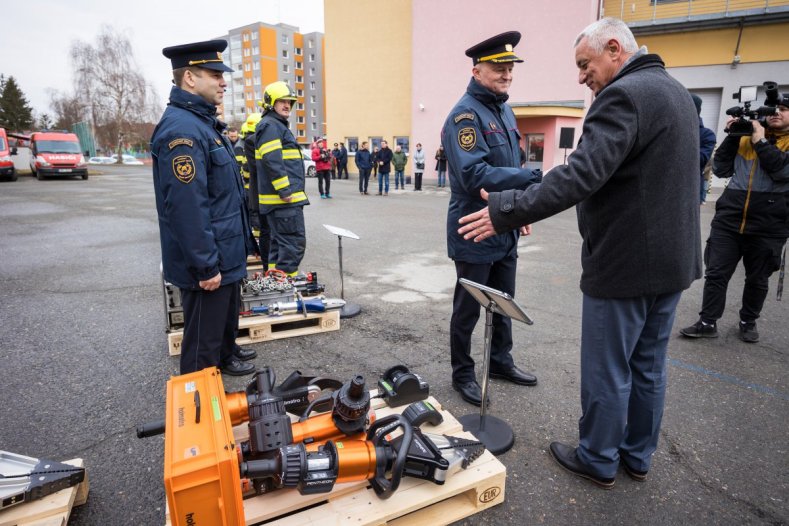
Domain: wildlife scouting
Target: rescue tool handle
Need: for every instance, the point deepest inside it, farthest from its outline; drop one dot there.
(150, 429)
(383, 487)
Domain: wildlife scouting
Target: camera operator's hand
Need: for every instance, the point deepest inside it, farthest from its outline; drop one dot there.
(729, 122)
(758, 132)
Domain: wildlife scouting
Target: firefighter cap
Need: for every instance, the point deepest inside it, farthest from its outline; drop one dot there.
(207, 54)
(496, 49)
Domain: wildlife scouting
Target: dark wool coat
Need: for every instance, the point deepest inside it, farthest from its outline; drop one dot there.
(635, 179)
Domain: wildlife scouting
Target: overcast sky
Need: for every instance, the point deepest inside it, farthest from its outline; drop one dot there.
(36, 34)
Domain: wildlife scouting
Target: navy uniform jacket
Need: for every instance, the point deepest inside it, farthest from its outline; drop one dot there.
(280, 165)
(481, 142)
(203, 224)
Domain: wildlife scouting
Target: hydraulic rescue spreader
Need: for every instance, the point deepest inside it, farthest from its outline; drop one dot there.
(208, 472)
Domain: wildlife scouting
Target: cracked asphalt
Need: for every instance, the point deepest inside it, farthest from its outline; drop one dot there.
(84, 356)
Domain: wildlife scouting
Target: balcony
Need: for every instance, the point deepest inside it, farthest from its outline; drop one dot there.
(666, 16)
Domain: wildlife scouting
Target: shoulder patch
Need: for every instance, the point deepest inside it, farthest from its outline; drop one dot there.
(182, 141)
(218, 141)
(461, 116)
(184, 168)
(467, 138)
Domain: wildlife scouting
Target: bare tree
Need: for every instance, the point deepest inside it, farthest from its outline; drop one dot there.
(68, 109)
(116, 96)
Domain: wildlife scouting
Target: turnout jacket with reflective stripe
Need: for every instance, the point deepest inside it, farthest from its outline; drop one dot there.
(280, 165)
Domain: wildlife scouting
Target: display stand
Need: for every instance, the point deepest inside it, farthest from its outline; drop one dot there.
(494, 432)
(349, 310)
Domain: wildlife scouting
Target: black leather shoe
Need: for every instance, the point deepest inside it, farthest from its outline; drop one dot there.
(236, 367)
(748, 332)
(471, 392)
(638, 476)
(700, 329)
(565, 456)
(515, 376)
(244, 354)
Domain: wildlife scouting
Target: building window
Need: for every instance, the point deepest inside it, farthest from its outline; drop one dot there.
(298, 51)
(313, 99)
(300, 92)
(535, 142)
(256, 81)
(256, 50)
(376, 142)
(353, 144)
(235, 43)
(301, 133)
(245, 37)
(312, 85)
(245, 52)
(299, 78)
(300, 119)
(299, 65)
(284, 39)
(284, 53)
(313, 112)
(403, 142)
(300, 106)
(254, 35)
(256, 66)
(247, 66)
(312, 72)
(313, 126)
(247, 82)
(310, 43)
(285, 68)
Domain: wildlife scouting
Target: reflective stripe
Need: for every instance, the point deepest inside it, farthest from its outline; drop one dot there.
(246, 186)
(291, 154)
(274, 199)
(280, 183)
(272, 266)
(268, 147)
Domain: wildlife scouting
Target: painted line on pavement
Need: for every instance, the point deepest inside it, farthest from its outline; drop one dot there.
(729, 379)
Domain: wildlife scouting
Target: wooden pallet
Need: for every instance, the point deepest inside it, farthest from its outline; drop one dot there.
(415, 503)
(52, 510)
(255, 329)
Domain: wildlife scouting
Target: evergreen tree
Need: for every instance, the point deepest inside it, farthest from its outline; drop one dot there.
(15, 112)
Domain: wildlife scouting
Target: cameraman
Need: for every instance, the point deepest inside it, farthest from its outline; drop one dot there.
(750, 223)
(322, 159)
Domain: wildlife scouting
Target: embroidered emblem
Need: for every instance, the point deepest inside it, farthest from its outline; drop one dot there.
(508, 47)
(184, 168)
(492, 126)
(467, 138)
(178, 142)
(460, 116)
(219, 55)
(218, 141)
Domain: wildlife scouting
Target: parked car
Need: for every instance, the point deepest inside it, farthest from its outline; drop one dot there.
(127, 159)
(309, 164)
(101, 160)
(56, 153)
(6, 163)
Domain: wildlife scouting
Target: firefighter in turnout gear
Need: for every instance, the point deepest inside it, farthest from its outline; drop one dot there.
(260, 227)
(280, 173)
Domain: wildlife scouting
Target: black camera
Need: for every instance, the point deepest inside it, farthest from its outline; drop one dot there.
(743, 127)
(325, 155)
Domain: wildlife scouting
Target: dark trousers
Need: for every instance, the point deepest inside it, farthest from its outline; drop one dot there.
(499, 275)
(418, 181)
(342, 167)
(364, 179)
(761, 256)
(324, 177)
(210, 327)
(288, 238)
(623, 379)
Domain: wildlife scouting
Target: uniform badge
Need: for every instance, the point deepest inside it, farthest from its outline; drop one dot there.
(218, 141)
(184, 168)
(460, 116)
(492, 126)
(467, 138)
(179, 142)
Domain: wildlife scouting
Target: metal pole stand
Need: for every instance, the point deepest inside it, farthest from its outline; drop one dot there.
(349, 310)
(495, 433)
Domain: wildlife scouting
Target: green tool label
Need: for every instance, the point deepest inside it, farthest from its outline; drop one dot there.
(215, 407)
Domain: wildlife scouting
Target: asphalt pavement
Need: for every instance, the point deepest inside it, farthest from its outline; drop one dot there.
(84, 354)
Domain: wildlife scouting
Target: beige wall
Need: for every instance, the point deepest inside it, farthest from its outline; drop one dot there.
(368, 69)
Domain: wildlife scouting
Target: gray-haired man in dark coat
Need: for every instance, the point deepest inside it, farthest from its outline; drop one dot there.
(634, 179)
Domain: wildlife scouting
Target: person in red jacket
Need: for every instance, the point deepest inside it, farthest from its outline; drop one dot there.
(322, 158)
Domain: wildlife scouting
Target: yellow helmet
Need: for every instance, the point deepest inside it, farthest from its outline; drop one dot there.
(249, 125)
(277, 91)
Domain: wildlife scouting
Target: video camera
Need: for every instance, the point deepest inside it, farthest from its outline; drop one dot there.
(743, 127)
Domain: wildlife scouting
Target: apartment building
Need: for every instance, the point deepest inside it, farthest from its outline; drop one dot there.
(262, 53)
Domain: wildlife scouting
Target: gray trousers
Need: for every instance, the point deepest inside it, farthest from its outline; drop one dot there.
(623, 379)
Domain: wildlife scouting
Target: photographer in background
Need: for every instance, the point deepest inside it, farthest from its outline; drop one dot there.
(322, 159)
(750, 222)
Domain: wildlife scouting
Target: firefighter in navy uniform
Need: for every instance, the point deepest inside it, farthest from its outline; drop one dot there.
(481, 141)
(280, 172)
(203, 225)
